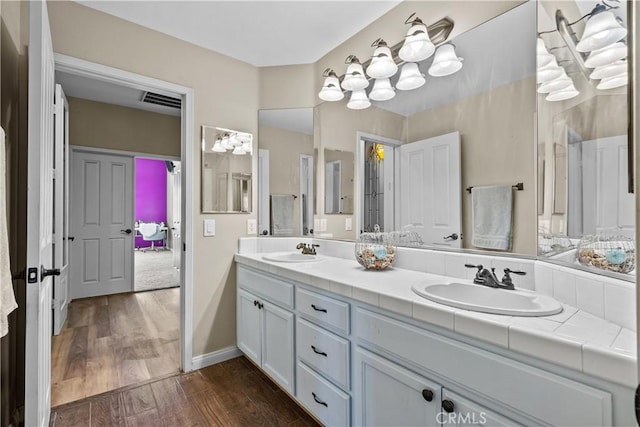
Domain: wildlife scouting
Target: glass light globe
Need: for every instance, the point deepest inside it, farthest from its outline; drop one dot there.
(557, 84)
(446, 62)
(417, 44)
(382, 64)
(614, 81)
(543, 55)
(382, 90)
(354, 78)
(331, 89)
(358, 100)
(610, 70)
(410, 77)
(561, 95)
(602, 29)
(607, 55)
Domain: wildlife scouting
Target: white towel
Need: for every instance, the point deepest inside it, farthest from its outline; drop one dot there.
(148, 229)
(282, 215)
(492, 212)
(7, 299)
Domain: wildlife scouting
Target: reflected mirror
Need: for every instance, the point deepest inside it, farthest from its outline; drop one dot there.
(286, 170)
(226, 170)
(582, 130)
(489, 104)
(338, 181)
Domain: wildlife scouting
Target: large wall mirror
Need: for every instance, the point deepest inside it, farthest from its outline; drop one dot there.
(226, 170)
(416, 153)
(583, 122)
(286, 202)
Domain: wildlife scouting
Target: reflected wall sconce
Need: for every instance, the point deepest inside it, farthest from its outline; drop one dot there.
(233, 142)
(419, 44)
(602, 29)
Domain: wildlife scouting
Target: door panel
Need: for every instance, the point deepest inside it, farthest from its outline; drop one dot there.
(277, 346)
(102, 214)
(467, 414)
(61, 211)
(430, 193)
(39, 218)
(248, 329)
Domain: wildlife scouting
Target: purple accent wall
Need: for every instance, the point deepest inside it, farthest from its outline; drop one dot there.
(151, 193)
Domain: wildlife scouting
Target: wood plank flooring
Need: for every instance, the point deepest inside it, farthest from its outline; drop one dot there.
(231, 393)
(113, 341)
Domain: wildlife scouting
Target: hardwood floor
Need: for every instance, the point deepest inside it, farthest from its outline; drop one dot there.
(232, 393)
(113, 341)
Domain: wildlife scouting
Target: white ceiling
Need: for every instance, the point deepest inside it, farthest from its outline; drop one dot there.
(262, 33)
(293, 119)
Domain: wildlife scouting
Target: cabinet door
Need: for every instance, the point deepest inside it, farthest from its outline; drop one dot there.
(277, 344)
(248, 326)
(467, 413)
(387, 395)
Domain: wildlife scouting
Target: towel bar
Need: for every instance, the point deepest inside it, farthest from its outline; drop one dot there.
(519, 187)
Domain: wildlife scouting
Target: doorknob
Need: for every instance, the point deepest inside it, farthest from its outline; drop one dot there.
(44, 272)
(127, 231)
(452, 236)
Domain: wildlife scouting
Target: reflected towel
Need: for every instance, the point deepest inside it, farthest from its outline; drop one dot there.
(7, 298)
(492, 212)
(148, 230)
(281, 215)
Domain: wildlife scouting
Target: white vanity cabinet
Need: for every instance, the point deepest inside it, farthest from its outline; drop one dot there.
(387, 394)
(265, 331)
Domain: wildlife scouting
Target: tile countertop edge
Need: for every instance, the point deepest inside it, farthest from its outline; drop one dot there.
(542, 343)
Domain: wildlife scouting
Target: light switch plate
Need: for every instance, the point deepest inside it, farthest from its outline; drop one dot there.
(209, 227)
(348, 224)
(252, 226)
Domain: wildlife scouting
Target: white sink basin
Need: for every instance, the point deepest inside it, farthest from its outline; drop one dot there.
(290, 257)
(490, 300)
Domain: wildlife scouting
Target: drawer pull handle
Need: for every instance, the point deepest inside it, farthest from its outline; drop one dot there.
(324, 310)
(427, 395)
(318, 401)
(316, 351)
(448, 406)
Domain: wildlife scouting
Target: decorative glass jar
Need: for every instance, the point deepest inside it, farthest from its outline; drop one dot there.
(612, 253)
(375, 251)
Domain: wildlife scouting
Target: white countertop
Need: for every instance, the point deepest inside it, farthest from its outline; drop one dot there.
(572, 338)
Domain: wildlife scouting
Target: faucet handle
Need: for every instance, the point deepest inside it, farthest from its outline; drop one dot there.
(520, 273)
(506, 279)
(479, 266)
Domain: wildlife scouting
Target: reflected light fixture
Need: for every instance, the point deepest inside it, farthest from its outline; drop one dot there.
(602, 29)
(564, 94)
(382, 90)
(550, 72)
(224, 142)
(610, 70)
(382, 64)
(354, 78)
(613, 81)
(331, 90)
(417, 45)
(445, 62)
(543, 57)
(410, 77)
(239, 151)
(560, 83)
(607, 55)
(217, 146)
(358, 100)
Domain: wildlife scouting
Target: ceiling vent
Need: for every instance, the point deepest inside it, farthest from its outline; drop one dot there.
(166, 101)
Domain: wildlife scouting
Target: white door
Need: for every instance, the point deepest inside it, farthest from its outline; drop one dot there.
(61, 211)
(177, 219)
(41, 89)
(430, 192)
(388, 395)
(102, 224)
(306, 194)
(264, 209)
(332, 187)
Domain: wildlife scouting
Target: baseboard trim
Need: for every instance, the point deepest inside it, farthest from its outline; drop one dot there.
(204, 360)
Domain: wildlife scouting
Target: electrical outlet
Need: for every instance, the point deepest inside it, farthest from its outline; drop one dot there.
(316, 225)
(323, 224)
(209, 227)
(252, 226)
(348, 224)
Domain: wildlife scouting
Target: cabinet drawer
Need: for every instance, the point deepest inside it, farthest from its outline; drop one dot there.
(328, 403)
(490, 375)
(274, 290)
(325, 310)
(325, 352)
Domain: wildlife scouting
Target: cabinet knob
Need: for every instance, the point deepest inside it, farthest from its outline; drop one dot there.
(448, 406)
(427, 394)
(255, 303)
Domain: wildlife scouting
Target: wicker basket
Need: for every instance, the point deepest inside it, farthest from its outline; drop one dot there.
(612, 253)
(375, 251)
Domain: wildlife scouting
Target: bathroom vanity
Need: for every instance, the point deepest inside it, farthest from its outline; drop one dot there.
(358, 347)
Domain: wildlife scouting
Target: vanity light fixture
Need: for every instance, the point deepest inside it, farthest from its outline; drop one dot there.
(358, 100)
(224, 142)
(602, 29)
(354, 78)
(217, 146)
(239, 151)
(382, 90)
(613, 81)
(417, 44)
(543, 56)
(446, 62)
(607, 55)
(246, 146)
(549, 72)
(410, 77)
(233, 140)
(331, 90)
(382, 65)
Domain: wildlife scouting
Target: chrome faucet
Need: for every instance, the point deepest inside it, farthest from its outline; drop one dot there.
(307, 248)
(488, 278)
